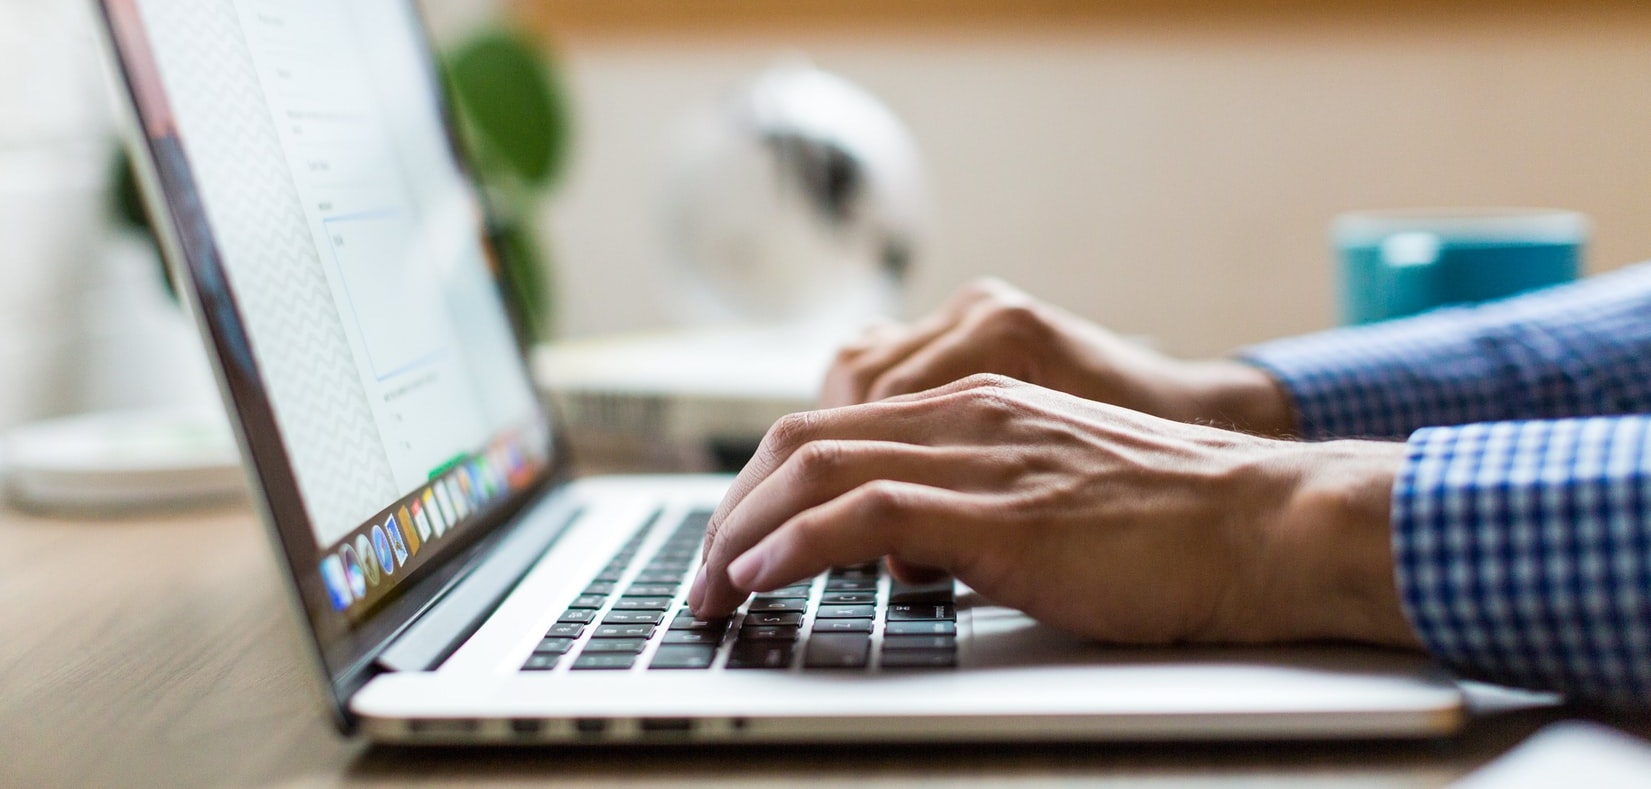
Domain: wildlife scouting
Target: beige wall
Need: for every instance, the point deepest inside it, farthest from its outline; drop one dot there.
(1172, 178)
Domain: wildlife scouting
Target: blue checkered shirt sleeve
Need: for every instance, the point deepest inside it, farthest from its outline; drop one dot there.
(1522, 517)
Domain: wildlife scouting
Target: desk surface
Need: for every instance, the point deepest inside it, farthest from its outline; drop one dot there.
(155, 652)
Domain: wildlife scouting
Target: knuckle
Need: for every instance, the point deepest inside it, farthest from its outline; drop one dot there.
(791, 430)
(1018, 320)
(987, 386)
(882, 500)
(819, 460)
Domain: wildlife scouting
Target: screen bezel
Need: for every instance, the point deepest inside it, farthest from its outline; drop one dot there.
(344, 651)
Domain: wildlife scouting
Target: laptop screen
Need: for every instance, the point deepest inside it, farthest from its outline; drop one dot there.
(337, 251)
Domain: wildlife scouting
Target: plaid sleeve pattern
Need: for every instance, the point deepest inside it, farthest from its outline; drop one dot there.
(1523, 553)
(1578, 350)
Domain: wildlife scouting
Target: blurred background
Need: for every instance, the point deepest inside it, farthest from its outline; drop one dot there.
(1168, 168)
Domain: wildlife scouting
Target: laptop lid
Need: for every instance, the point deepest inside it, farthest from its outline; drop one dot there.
(301, 163)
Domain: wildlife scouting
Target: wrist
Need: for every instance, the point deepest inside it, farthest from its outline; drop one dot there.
(1238, 396)
(1327, 564)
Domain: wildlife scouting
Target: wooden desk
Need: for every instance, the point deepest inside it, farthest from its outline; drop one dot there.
(155, 652)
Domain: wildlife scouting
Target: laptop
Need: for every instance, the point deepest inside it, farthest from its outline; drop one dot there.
(453, 583)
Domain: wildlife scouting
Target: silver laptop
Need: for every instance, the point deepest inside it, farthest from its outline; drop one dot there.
(454, 585)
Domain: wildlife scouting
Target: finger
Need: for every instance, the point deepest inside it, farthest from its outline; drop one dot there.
(913, 523)
(914, 573)
(855, 368)
(817, 473)
(989, 339)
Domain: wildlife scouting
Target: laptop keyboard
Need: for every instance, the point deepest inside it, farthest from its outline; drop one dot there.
(851, 618)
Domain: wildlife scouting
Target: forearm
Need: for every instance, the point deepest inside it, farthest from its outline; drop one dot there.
(1573, 351)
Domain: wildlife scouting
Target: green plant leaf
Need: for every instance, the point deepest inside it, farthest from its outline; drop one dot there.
(515, 111)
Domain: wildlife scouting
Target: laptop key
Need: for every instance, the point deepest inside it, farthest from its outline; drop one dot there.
(771, 620)
(581, 616)
(651, 590)
(623, 631)
(842, 626)
(541, 662)
(845, 650)
(938, 592)
(642, 604)
(919, 612)
(633, 618)
(687, 621)
(920, 629)
(695, 637)
(761, 654)
(851, 584)
(568, 629)
(920, 658)
(849, 598)
(604, 661)
(588, 601)
(603, 588)
(761, 605)
(896, 643)
(846, 612)
(768, 634)
(683, 656)
(632, 645)
(660, 576)
(553, 646)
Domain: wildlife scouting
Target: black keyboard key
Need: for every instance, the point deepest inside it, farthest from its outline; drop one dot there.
(683, 656)
(794, 590)
(935, 593)
(623, 631)
(609, 575)
(846, 612)
(661, 576)
(920, 658)
(633, 646)
(849, 598)
(567, 629)
(604, 661)
(761, 654)
(541, 662)
(641, 604)
(652, 590)
(588, 601)
(603, 588)
(766, 606)
(553, 646)
(919, 642)
(633, 618)
(774, 620)
(578, 616)
(842, 626)
(921, 612)
(849, 650)
(768, 634)
(920, 629)
(687, 621)
(851, 584)
(698, 637)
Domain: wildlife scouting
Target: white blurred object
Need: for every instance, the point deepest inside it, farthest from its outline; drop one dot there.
(117, 461)
(1571, 753)
(49, 75)
(799, 199)
(687, 399)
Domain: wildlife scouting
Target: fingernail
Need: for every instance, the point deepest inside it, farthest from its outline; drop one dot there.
(744, 570)
(696, 592)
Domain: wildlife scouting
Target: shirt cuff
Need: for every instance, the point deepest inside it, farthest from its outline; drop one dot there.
(1522, 553)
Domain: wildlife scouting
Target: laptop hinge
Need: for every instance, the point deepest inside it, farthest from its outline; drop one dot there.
(442, 628)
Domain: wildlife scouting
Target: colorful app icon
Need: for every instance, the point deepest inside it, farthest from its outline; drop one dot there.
(369, 558)
(433, 511)
(467, 488)
(409, 532)
(446, 501)
(392, 529)
(461, 504)
(338, 586)
(381, 544)
(353, 572)
(420, 522)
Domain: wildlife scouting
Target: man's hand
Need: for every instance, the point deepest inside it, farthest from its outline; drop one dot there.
(1102, 521)
(990, 327)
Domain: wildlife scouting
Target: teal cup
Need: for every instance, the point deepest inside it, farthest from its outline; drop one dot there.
(1398, 263)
